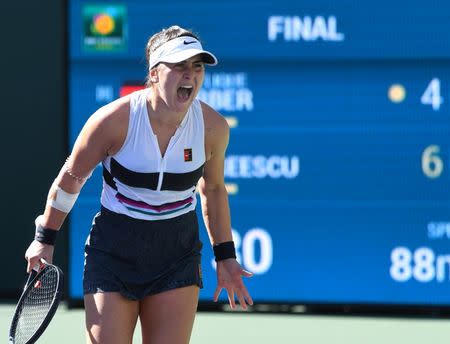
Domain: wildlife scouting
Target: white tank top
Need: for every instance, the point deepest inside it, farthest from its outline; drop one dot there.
(139, 182)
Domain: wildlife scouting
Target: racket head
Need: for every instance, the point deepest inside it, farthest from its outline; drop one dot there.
(37, 304)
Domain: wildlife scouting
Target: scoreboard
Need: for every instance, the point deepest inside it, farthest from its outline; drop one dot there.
(338, 167)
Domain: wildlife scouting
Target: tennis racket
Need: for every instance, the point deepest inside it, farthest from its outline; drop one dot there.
(37, 304)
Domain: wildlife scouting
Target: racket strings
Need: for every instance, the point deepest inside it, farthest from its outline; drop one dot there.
(36, 305)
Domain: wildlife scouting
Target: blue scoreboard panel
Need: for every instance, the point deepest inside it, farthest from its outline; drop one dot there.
(338, 167)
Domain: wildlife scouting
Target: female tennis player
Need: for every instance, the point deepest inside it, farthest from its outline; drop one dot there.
(158, 146)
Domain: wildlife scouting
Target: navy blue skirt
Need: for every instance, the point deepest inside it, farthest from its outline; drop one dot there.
(139, 258)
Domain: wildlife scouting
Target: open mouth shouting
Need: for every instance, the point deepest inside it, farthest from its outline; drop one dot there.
(184, 92)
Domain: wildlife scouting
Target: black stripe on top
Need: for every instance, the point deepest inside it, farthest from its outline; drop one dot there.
(181, 181)
(134, 179)
(109, 178)
(171, 181)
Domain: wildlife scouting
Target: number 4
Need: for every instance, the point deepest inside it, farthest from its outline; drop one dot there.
(432, 95)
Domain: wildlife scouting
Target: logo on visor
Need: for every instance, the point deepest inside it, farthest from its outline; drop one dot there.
(185, 42)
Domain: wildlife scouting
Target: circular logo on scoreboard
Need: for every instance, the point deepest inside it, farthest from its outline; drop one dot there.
(397, 93)
(104, 24)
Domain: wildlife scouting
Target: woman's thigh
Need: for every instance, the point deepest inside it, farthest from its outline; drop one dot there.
(168, 317)
(110, 318)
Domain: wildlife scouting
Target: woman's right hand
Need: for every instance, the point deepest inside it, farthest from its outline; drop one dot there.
(36, 251)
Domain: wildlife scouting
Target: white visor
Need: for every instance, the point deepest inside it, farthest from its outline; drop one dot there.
(180, 49)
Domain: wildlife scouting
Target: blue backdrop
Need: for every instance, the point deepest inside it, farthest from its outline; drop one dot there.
(338, 163)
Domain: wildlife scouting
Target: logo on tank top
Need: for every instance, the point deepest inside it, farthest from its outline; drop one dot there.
(188, 154)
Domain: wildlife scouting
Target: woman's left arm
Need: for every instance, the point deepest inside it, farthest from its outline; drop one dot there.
(216, 211)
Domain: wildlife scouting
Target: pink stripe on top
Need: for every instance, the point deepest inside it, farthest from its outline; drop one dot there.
(167, 206)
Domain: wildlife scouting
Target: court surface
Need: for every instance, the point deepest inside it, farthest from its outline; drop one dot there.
(219, 328)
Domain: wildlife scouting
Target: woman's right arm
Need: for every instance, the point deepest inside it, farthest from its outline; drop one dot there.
(102, 135)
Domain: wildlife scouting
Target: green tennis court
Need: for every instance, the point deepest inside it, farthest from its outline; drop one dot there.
(219, 328)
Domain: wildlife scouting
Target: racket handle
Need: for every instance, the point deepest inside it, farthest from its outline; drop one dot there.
(31, 276)
(37, 267)
(35, 271)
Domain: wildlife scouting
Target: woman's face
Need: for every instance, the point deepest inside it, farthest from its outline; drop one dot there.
(179, 83)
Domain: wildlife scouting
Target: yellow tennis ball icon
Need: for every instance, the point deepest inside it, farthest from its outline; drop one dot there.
(104, 24)
(397, 93)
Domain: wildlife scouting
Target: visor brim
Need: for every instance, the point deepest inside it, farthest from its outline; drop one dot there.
(207, 57)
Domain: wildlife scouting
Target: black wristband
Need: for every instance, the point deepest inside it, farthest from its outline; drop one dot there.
(224, 250)
(45, 235)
